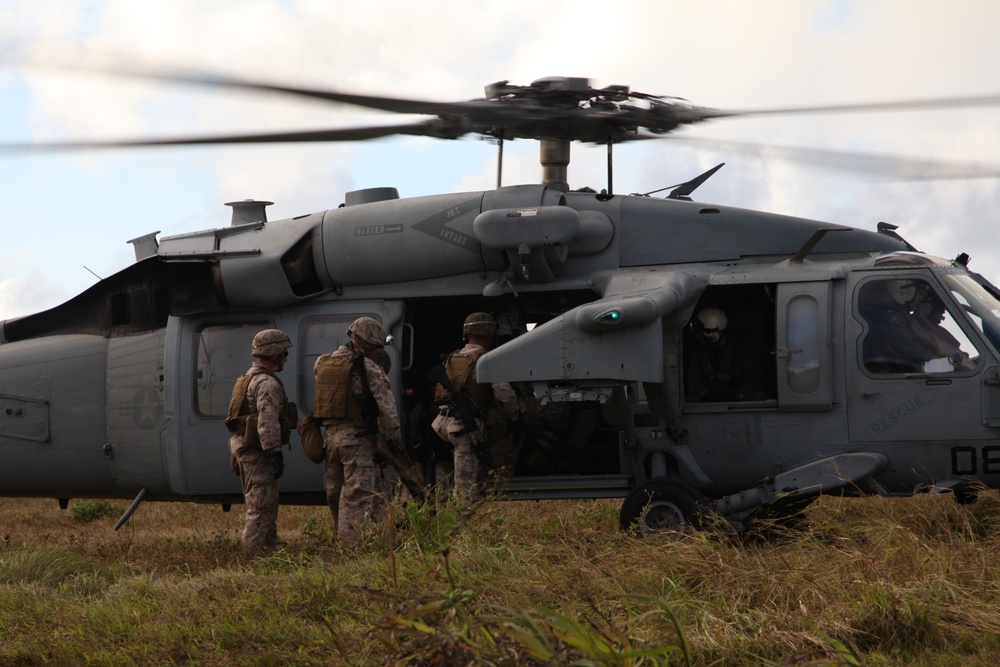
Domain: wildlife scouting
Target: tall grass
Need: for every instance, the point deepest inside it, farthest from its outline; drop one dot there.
(857, 582)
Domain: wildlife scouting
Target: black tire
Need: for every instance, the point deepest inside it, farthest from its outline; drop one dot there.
(967, 493)
(662, 506)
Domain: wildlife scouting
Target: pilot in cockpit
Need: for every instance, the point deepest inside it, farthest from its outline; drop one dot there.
(905, 334)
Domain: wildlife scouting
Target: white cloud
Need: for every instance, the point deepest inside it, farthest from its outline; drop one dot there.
(19, 298)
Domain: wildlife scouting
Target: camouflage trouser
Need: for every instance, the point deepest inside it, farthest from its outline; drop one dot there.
(260, 493)
(353, 484)
(462, 474)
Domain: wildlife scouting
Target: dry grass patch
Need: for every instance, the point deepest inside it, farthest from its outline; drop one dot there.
(859, 581)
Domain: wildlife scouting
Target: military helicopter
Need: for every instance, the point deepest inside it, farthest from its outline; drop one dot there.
(121, 392)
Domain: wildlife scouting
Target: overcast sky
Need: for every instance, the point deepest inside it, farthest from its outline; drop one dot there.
(69, 216)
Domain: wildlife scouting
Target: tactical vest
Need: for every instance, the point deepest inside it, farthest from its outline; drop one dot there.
(461, 370)
(334, 399)
(242, 417)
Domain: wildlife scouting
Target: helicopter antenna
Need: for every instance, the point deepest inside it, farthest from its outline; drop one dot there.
(499, 157)
(889, 229)
(683, 190)
(610, 164)
(811, 243)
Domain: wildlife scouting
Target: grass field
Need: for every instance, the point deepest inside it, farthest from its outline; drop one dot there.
(857, 582)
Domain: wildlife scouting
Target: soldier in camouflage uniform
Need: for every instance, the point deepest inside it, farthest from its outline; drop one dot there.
(353, 478)
(260, 420)
(497, 402)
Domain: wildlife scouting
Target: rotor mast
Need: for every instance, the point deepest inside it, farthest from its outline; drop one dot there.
(554, 156)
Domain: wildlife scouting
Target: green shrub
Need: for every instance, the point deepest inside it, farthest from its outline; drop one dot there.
(86, 511)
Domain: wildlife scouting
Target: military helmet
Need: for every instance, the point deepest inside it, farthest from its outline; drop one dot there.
(369, 330)
(713, 323)
(479, 324)
(902, 291)
(269, 343)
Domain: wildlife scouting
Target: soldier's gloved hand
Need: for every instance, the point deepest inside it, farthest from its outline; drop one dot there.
(277, 463)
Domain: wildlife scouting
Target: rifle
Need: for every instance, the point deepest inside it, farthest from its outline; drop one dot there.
(421, 442)
(388, 450)
(465, 409)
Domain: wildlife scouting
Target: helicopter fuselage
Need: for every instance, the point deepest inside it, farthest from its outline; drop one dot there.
(123, 389)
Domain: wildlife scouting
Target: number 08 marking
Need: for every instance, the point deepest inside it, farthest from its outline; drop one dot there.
(965, 460)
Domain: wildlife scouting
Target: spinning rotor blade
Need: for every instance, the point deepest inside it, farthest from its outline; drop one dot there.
(477, 115)
(553, 107)
(485, 111)
(906, 105)
(105, 66)
(562, 109)
(305, 136)
(889, 167)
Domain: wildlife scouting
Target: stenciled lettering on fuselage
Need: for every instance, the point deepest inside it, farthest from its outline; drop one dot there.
(378, 230)
(900, 413)
(436, 225)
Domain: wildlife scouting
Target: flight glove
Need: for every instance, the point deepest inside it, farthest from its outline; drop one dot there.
(277, 463)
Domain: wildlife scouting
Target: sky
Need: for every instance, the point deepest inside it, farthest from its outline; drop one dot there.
(68, 217)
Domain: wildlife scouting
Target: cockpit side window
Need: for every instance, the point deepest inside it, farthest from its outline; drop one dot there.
(910, 329)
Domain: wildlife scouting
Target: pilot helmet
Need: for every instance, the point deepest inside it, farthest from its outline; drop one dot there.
(369, 330)
(479, 324)
(270, 343)
(902, 291)
(713, 323)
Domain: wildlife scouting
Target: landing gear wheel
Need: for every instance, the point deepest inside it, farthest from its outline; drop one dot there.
(966, 493)
(662, 506)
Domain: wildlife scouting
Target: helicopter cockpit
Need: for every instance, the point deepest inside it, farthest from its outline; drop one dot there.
(910, 329)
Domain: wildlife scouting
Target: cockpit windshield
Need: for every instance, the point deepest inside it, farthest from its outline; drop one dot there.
(979, 304)
(912, 329)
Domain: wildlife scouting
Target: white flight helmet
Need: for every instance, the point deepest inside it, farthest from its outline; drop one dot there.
(902, 291)
(713, 323)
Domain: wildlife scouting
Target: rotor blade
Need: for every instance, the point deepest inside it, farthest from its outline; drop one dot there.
(906, 105)
(532, 112)
(530, 117)
(303, 136)
(885, 166)
(396, 105)
(105, 66)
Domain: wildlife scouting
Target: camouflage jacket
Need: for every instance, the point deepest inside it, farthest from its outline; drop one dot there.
(388, 419)
(265, 397)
